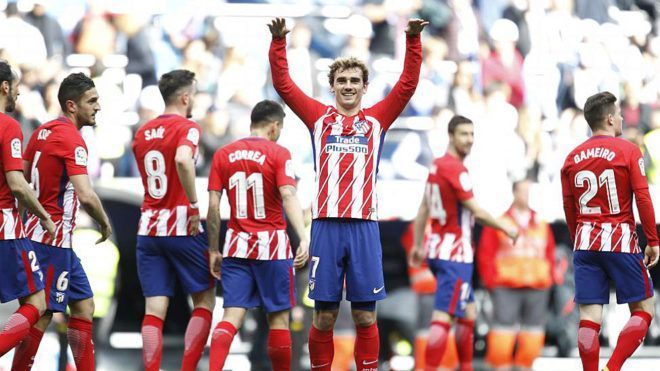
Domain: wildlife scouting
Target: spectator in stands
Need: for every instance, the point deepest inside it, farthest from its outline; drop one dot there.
(505, 64)
(518, 276)
(56, 44)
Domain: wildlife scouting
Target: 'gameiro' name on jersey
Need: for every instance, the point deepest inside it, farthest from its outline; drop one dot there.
(596, 152)
(347, 144)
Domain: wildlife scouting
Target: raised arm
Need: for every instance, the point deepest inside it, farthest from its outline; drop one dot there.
(305, 107)
(393, 104)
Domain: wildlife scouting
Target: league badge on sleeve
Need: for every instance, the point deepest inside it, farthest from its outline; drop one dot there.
(80, 156)
(641, 166)
(193, 136)
(16, 148)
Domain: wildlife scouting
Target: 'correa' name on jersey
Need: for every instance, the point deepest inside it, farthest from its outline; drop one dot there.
(255, 156)
(597, 152)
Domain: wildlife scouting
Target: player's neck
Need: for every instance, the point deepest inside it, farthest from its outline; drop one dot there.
(259, 134)
(174, 110)
(603, 132)
(452, 151)
(348, 111)
(73, 120)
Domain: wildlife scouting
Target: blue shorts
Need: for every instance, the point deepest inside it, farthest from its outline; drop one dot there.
(350, 249)
(249, 283)
(21, 274)
(454, 291)
(64, 276)
(595, 270)
(160, 260)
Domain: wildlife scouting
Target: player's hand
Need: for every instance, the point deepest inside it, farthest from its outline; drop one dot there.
(651, 256)
(417, 256)
(48, 225)
(415, 26)
(302, 254)
(106, 232)
(278, 28)
(193, 222)
(215, 263)
(512, 232)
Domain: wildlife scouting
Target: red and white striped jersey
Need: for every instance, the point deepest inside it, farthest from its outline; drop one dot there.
(165, 209)
(55, 152)
(252, 170)
(598, 180)
(447, 186)
(346, 149)
(11, 150)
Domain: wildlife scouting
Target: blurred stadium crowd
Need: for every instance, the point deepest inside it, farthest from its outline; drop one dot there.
(520, 69)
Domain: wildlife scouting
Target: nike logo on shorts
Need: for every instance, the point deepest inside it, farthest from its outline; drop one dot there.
(369, 362)
(319, 366)
(376, 291)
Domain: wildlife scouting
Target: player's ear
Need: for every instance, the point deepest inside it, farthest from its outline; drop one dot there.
(71, 106)
(5, 87)
(185, 98)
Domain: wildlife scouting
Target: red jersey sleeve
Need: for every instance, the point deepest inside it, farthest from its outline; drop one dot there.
(391, 106)
(74, 153)
(640, 188)
(190, 136)
(461, 183)
(569, 203)
(308, 109)
(12, 148)
(284, 171)
(215, 180)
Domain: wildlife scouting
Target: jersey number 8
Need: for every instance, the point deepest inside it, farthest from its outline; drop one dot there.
(154, 166)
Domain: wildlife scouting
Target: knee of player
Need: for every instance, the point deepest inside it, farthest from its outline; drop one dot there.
(83, 309)
(39, 302)
(363, 318)
(325, 320)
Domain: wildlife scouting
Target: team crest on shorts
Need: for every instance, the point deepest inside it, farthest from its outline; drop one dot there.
(311, 285)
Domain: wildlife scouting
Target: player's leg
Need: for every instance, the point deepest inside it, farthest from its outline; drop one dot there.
(502, 334)
(81, 304)
(20, 278)
(465, 335)
(239, 294)
(26, 351)
(532, 333)
(277, 294)
(279, 340)
(453, 299)
(326, 281)
(633, 286)
(592, 291)
(365, 285)
(157, 280)
(188, 255)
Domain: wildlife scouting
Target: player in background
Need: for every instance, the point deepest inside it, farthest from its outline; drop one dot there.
(56, 165)
(170, 243)
(20, 274)
(256, 263)
(345, 241)
(449, 202)
(599, 179)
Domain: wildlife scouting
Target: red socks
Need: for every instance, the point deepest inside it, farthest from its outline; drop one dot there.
(223, 335)
(589, 344)
(465, 343)
(27, 350)
(152, 342)
(17, 327)
(366, 347)
(630, 338)
(279, 349)
(80, 341)
(197, 333)
(437, 342)
(321, 349)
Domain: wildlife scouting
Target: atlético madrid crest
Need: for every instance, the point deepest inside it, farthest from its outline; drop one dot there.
(361, 127)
